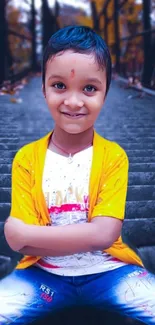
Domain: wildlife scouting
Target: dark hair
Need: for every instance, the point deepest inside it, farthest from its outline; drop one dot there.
(80, 39)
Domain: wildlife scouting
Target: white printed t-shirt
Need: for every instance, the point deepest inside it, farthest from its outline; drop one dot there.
(66, 188)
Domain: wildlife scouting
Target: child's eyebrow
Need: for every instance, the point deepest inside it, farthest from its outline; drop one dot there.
(94, 80)
(56, 77)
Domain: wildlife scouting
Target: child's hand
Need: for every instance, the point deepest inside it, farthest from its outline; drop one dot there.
(14, 231)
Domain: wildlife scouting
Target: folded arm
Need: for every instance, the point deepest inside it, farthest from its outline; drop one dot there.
(99, 234)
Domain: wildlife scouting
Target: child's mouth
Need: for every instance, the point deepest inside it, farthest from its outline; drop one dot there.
(73, 116)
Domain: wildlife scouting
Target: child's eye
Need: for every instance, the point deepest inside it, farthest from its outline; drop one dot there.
(59, 85)
(89, 88)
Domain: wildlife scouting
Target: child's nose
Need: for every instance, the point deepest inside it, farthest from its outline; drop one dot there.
(73, 102)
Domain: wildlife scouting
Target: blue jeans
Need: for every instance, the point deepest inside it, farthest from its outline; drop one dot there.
(27, 295)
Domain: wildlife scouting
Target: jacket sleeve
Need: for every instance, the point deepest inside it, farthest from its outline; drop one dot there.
(22, 203)
(111, 199)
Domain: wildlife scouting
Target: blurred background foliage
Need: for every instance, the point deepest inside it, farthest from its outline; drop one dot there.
(19, 35)
(128, 27)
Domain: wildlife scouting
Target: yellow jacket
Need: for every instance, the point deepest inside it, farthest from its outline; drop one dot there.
(107, 189)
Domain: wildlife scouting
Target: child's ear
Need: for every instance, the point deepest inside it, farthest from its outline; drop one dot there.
(43, 90)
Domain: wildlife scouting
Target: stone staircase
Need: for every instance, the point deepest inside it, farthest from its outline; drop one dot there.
(130, 121)
(125, 118)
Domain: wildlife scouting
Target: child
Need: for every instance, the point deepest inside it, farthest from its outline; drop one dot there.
(68, 199)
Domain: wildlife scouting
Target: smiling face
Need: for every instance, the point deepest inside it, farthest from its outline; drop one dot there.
(74, 90)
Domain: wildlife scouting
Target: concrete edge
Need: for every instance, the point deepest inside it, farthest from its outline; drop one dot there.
(143, 89)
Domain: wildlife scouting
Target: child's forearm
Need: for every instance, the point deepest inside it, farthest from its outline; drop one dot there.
(63, 240)
(33, 251)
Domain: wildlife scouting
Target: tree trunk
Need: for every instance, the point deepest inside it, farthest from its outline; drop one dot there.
(95, 17)
(148, 64)
(2, 41)
(33, 31)
(49, 23)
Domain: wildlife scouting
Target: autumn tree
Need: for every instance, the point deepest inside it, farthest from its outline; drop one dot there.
(19, 36)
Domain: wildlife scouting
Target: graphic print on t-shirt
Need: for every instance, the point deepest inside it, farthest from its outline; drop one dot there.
(72, 201)
(66, 191)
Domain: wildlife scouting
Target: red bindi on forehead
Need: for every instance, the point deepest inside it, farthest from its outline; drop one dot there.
(72, 73)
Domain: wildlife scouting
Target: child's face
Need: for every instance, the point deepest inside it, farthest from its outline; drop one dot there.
(75, 90)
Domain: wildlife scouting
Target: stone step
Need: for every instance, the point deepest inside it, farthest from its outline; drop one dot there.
(7, 154)
(24, 134)
(140, 209)
(141, 178)
(138, 146)
(142, 167)
(6, 161)
(15, 140)
(5, 195)
(137, 209)
(139, 159)
(120, 133)
(140, 152)
(4, 210)
(131, 139)
(5, 180)
(5, 168)
(134, 127)
(143, 225)
(134, 130)
(141, 192)
(9, 140)
(9, 147)
(127, 137)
